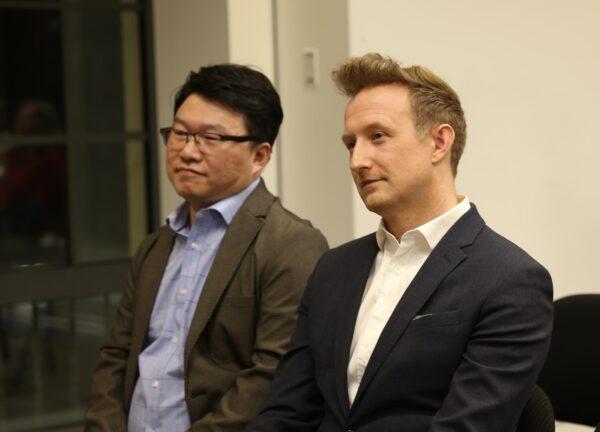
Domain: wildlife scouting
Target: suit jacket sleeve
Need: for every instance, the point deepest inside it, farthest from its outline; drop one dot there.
(504, 355)
(291, 259)
(106, 411)
(295, 403)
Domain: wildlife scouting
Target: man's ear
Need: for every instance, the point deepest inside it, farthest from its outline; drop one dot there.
(261, 154)
(443, 139)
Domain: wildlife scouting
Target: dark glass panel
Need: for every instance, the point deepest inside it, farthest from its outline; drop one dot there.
(31, 70)
(105, 61)
(107, 199)
(33, 205)
(101, 2)
(48, 350)
(98, 201)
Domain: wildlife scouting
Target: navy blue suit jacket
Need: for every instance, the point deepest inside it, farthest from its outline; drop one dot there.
(468, 365)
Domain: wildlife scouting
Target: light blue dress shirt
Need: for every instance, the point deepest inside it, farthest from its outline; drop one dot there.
(158, 402)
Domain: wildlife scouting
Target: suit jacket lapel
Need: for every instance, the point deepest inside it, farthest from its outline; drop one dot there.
(239, 236)
(150, 277)
(353, 287)
(443, 259)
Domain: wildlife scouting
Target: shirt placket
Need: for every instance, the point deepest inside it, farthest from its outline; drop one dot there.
(188, 292)
(377, 319)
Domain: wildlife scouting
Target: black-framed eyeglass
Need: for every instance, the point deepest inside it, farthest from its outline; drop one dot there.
(205, 141)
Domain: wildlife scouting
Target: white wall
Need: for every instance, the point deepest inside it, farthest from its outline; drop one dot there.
(527, 74)
(193, 33)
(251, 42)
(314, 169)
(187, 35)
(309, 167)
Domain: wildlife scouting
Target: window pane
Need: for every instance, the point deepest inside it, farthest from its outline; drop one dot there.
(48, 352)
(107, 1)
(107, 200)
(33, 174)
(33, 205)
(105, 73)
(31, 71)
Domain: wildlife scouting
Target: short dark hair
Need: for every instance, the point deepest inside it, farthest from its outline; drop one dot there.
(241, 89)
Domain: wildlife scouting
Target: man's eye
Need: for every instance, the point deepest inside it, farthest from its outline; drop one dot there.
(180, 136)
(349, 144)
(211, 137)
(378, 136)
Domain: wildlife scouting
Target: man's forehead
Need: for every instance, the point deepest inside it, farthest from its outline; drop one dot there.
(380, 97)
(197, 103)
(197, 111)
(381, 105)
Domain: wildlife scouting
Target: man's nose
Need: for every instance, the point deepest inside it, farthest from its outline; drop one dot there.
(360, 158)
(190, 150)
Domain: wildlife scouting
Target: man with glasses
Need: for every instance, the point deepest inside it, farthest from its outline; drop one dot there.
(211, 300)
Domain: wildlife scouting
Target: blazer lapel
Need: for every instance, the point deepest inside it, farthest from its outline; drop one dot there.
(354, 283)
(443, 259)
(150, 276)
(239, 236)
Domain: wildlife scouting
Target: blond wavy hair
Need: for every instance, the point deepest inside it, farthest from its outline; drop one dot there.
(433, 101)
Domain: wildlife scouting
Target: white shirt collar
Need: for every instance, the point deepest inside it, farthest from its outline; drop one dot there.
(432, 231)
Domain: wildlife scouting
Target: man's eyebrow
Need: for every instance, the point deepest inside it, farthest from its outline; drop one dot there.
(377, 125)
(347, 136)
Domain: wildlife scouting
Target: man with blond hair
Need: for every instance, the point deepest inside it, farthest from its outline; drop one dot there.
(433, 323)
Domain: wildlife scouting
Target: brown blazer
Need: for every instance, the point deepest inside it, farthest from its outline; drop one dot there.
(242, 325)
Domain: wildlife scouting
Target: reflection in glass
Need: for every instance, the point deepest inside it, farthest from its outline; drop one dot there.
(107, 1)
(48, 350)
(76, 195)
(73, 161)
(108, 200)
(31, 64)
(33, 156)
(33, 191)
(33, 205)
(137, 204)
(105, 52)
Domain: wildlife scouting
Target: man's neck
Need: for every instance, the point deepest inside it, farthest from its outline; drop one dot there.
(410, 215)
(192, 215)
(195, 207)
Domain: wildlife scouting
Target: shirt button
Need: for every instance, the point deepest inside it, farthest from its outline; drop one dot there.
(194, 245)
(155, 384)
(183, 291)
(174, 339)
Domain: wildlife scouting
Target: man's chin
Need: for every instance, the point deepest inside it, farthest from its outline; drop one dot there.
(189, 194)
(373, 203)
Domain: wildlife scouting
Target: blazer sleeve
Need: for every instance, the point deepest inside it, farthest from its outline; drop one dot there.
(281, 287)
(504, 356)
(106, 411)
(295, 403)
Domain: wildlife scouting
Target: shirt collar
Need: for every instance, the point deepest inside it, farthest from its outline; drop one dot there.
(227, 208)
(178, 218)
(432, 231)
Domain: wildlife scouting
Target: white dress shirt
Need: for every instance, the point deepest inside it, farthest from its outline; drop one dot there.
(394, 268)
